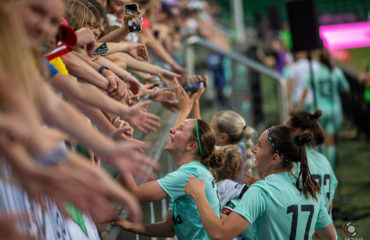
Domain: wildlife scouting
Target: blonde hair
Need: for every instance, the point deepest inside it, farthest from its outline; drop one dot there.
(232, 165)
(16, 57)
(234, 126)
(82, 14)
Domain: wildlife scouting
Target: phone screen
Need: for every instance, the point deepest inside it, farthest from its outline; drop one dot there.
(132, 10)
(193, 86)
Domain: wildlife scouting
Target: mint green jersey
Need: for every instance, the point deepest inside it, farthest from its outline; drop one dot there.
(247, 234)
(323, 174)
(185, 216)
(278, 210)
(328, 84)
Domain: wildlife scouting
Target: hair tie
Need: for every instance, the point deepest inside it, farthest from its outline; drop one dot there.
(200, 146)
(244, 127)
(273, 145)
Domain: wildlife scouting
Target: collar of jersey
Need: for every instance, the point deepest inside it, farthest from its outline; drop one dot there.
(194, 162)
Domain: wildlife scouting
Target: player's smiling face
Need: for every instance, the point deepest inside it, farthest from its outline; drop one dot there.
(263, 153)
(179, 137)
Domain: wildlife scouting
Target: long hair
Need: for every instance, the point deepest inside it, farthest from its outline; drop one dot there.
(291, 146)
(235, 127)
(22, 65)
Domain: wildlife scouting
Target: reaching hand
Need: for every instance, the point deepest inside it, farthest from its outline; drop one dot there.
(161, 95)
(140, 119)
(169, 78)
(185, 103)
(182, 71)
(126, 158)
(146, 89)
(195, 187)
(138, 51)
(201, 89)
(173, 106)
(249, 179)
(86, 40)
(133, 85)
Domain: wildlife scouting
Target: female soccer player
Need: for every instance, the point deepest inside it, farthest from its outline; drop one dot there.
(318, 164)
(192, 146)
(328, 82)
(281, 206)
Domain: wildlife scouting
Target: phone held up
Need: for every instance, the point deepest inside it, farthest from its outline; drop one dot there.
(132, 10)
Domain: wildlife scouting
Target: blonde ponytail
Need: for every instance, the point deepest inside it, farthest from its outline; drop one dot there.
(249, 133)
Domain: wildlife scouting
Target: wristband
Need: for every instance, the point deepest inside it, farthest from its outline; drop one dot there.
(129, 74)
(101, 69)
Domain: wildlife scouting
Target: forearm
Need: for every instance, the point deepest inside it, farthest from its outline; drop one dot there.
(96, 116)
(115, 47)
(159, 229)
(195, 111)
(302, 100)
(121, 73)
(183, 115)
(61, 115)
(82, 70)
(211, 222)
(139, 66)
(115, 36)
(94, 97)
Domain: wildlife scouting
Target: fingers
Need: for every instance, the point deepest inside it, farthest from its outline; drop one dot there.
(112, 84)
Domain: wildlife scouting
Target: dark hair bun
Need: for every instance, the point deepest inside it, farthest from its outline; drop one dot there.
(304, 138)
(215, 160)
(317, 114)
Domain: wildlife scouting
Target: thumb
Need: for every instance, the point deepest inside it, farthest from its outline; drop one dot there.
(144, 104)
(122, 130)
(194, 96)
(112, 83)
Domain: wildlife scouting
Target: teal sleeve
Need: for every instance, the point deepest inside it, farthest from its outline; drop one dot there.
(342, 83)
(174, 183)
(323, 219)
(253, 204)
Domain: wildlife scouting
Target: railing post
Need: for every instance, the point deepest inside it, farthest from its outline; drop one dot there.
(190, 59)
(283, 100)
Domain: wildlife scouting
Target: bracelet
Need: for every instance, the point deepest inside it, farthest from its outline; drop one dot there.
(129, 74)
(101, 69)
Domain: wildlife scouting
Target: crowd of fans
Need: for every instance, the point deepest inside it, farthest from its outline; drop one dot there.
(74, 85)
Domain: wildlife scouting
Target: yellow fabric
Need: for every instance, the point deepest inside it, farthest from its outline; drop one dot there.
(59, 65)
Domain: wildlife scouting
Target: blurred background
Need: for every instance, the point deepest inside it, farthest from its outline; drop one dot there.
(243, 47)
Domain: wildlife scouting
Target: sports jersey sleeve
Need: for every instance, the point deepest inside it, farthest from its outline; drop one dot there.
(342, 83)
(52, 70)
(323, 218)
(253, 204)
(174, 183)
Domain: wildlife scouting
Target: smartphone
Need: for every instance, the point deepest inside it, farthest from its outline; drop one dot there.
(193, 86)
(101, 50)
(133, 22)
(155, 85)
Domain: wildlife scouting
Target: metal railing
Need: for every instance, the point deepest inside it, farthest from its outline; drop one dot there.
(238, 58)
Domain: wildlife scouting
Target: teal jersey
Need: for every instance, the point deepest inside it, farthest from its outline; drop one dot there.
(185, 216)
(277, 210)
(328, 85)
(323, 174)
(247, 234)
